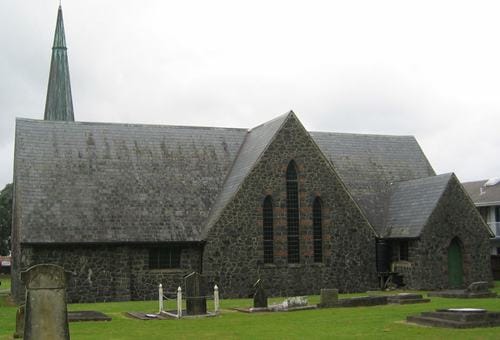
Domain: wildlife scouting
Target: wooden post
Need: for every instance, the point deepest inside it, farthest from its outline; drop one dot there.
(216, 299)
(160, 298)
(179, 302)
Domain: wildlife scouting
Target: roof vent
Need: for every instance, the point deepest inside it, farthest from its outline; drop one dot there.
(492, 181)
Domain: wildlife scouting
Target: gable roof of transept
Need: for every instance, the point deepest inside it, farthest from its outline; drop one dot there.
(370, 164)
(411, 203)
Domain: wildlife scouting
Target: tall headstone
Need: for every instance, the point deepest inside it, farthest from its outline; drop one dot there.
(260, 296)
(46, 316)
(196, 302)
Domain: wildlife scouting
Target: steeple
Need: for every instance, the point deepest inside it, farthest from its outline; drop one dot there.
(59, 104)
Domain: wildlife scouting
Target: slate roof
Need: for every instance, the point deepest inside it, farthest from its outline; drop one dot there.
(256, 141)
(483, 195)
(369, 164)
(411, 203)
(134, 183)
(147, 183)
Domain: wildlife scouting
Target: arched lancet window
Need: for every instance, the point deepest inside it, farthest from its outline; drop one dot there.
(267, 221)
(292, 208)
(455, 264)
(317, 230)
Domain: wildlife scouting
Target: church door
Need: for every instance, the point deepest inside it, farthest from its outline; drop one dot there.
(455, 264)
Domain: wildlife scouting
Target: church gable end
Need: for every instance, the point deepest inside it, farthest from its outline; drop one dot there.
(234, 252)
(454, 218)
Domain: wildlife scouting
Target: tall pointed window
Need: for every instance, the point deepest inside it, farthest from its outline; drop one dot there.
(267, 218)
(317, 231)
(292, 213)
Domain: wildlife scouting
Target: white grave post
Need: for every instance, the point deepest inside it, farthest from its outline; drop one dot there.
(216, 299)
(160, 298)
(179, 302)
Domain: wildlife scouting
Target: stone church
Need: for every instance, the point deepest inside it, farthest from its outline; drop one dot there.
(124, 207)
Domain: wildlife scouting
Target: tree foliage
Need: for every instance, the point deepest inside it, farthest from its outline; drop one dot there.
(5, 219)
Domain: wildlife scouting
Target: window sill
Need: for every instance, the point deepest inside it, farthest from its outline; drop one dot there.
(269, 265)
(295, 265)
(317, 264)
(167, 271)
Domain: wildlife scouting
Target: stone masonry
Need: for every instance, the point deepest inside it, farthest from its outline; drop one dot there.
(112, 273)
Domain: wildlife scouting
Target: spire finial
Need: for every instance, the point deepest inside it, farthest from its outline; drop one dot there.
(59, 104)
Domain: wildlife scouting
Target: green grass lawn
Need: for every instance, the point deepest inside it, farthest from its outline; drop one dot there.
(5, 279)
(361, 322)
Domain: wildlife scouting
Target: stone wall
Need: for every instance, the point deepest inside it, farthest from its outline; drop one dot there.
(109, 272)
(454, 216)
(233, 256)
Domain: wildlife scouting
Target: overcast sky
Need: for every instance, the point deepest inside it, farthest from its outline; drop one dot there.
(425, 68)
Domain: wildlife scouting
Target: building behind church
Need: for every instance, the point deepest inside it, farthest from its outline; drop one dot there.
(125, 207)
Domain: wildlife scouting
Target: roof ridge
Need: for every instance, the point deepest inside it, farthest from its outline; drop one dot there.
(421, 179)
(129, 124)
(359, 134)
(270, 121)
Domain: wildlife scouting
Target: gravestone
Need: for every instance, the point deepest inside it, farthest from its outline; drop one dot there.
(406, 298)
(46, 315)
(360, 301)
(295, 301)
(328, 298)
(260, 296)
(457, 318)
(479, 287)
(196, 302)
(87, 315)
(292, 303)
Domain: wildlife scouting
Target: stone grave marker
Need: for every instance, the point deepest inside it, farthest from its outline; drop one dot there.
(328, 298)
(296, 301)
(292, 303)
(46, 316)
(196, 302)
(457, 318)
(478, 287)
(406, 298)
(260, 296)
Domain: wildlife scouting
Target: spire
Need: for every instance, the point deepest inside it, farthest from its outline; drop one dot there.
(59, 104)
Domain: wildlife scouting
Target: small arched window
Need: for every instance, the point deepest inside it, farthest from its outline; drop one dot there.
(317, 230)
(267, 221)
(292, 207)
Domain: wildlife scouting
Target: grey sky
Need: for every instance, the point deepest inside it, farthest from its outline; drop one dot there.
(424, 68)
